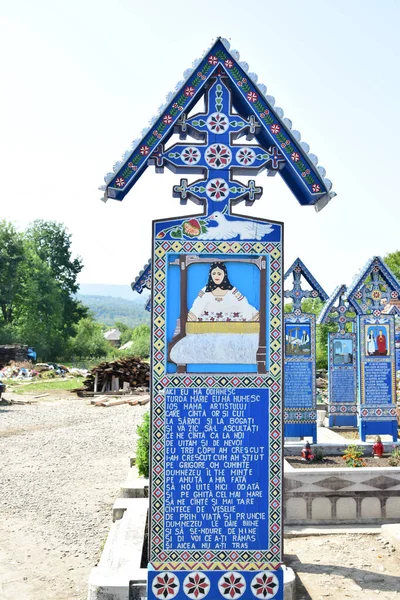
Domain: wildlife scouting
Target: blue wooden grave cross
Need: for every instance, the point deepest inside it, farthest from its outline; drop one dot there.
(337, 310)
(297, 294)
(215, 157)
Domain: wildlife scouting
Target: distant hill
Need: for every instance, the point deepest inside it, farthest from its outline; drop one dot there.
(109, 309)
(106, 289)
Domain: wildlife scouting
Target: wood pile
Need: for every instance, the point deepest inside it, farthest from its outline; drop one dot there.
(11, 352)
(118, 377)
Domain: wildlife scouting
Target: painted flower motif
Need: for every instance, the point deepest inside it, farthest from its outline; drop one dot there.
(228, 63)
(177, 106)
(265, 585)
(196, 585)
(252, 97)
(190, 155)
(144, 150)
(132, 166)
(189, 91)
(167, 119)
(394, 294)
(212, 60)
(217, 123)
(376, 294)
(218, 156)
(316, 187)
(165, 586)
(242, 82)
(245, 156)
(265, 113)
(201, 75)
(217, 189)
(191, 228)
(120, 182)
(275, 128)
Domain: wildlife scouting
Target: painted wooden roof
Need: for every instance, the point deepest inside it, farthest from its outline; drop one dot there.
(305, 179)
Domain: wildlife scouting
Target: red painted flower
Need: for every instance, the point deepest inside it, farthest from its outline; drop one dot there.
(275, 128)
(228, 63)
(316, 187)
(167, 119)
(252, 97)
(189, 91)
(295, 156)
(192, 228)
(265, 113)
(212, 60)
(120, 182)
(144, 150)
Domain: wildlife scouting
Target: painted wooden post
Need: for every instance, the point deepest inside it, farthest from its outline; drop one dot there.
(216, 278)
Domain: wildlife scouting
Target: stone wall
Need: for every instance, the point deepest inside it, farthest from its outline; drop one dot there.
(341, 496)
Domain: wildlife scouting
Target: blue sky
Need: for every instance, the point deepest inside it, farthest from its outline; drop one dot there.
(82, 79)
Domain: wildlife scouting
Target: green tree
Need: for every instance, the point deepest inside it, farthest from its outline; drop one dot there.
(52, 243)
(88, 341)
(39, 320)
(141, 341)
(12, 258)
(126, 332)
(393, 262)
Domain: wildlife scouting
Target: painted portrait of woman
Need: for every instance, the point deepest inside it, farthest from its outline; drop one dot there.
(219, 300)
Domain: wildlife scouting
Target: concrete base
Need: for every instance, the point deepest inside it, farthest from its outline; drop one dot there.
(120, 561)
(289, 583)
(134, 486)
(392, 534)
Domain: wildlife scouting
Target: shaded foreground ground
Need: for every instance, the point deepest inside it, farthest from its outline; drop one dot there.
(61, 466)
(62, 462)
(351, 566)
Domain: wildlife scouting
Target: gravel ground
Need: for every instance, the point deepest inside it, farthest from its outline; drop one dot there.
(62, 463)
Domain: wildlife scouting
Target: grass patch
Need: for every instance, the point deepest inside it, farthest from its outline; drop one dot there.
(43, 386)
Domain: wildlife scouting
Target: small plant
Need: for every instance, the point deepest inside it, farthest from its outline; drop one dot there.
(143, 446)
(318, 454)
(353, 456)
(394, 458)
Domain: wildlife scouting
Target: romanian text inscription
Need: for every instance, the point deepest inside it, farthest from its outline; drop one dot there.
(298, 384)
(343, 385)
(216, 468)
(378, 382)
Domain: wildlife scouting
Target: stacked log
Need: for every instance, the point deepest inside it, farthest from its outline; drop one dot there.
(123, 374)
(10, 352)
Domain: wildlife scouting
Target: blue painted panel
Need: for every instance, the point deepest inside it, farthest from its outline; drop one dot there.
(247, 585)
(216, 468)
(298, 384)
(377, 375)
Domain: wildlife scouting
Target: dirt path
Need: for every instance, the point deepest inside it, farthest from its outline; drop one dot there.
(344, 566)
(62, 463)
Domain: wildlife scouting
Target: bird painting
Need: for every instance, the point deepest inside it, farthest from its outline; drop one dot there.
(225, 230)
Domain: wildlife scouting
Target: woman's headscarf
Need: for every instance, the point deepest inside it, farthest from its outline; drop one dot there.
(225, 283)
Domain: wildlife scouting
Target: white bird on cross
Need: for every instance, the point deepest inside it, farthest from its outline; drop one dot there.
(225, 230)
